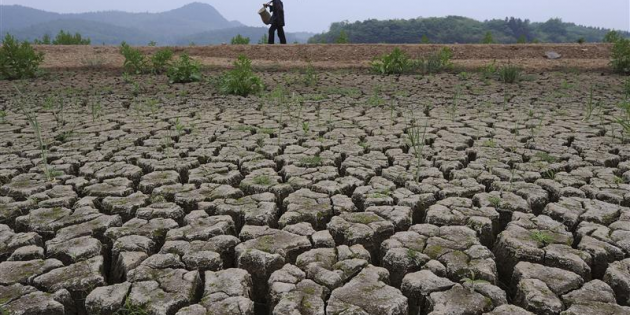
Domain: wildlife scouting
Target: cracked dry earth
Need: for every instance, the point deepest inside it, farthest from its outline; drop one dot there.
(182, 201)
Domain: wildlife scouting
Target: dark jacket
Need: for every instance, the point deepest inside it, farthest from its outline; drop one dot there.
(277, 8)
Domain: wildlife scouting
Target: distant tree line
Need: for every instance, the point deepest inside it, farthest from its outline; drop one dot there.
(457, 29)
(63, 38)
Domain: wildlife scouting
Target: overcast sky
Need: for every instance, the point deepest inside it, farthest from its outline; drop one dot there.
(316, 16)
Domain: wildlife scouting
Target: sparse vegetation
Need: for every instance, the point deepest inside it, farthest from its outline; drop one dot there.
(396, 62)
(184, 70)
(64, 38)
(264, 39)
(416, 140)
(620, 56)
(495, 201)
(509, 73)
(18, 60)
(132, 309)
(161, 60)
(438, 62)
(240, 40)
(472, 281)
(241, 80)
(612, 37)
(135, 62)
(342, 38)
(623, 119)
(310, 78)
(542, 238)
(49, 172)
(488, 38)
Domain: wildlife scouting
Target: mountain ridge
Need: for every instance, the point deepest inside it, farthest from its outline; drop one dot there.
(198, 20)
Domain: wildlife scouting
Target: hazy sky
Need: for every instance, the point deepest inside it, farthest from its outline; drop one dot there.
(316, 16)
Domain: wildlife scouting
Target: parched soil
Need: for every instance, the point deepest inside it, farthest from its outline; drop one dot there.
(355, 194)
(587, 57)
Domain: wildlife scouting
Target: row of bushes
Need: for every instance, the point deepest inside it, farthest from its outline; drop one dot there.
(398, 62)
(63, 38)
(18, 60)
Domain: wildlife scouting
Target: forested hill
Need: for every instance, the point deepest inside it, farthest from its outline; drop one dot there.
(457, 29)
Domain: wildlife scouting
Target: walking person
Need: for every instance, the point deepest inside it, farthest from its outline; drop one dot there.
(277, 21)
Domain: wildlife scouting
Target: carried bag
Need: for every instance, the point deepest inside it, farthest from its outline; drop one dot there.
(265, 16)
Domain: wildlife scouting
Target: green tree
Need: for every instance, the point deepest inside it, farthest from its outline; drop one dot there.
(488, 38)
(46, 40)
(611, 37)
(425, 39)
(64, 38)
(18, 60)
(342, 38)
(522, 40)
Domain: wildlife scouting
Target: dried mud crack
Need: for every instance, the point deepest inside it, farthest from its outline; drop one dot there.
(180, 201)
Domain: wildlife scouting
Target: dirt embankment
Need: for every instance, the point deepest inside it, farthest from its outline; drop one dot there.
(587, 57)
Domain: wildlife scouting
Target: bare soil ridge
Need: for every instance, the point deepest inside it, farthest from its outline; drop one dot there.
(586, 57)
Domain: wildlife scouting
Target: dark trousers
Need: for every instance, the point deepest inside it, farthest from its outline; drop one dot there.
(272, 31)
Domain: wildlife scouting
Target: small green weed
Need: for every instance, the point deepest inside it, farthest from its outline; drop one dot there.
(494, 201)
(509, 74)
(311, 161)
(131, 309)
(472, 281)
(310, 78)
(263, 180)
(542, 238)
(490, 143)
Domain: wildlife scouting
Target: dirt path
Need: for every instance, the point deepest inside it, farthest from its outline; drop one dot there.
(588, 57)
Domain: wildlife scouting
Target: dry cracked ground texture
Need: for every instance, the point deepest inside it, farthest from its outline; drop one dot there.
(176, 200)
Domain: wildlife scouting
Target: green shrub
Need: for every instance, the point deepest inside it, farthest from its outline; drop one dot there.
(18, 60)
(184, 70)
(311, 78)
(264, 39)
(438, 62)
(490, 70)
(160, 61)
(44, 41)
(509, 73)
(135, 62)
(620, 58)
(521, 40)
(64, 38)
(612, 37)
(241, 80)
(425, 39)
(396, 62)
(240, 40)
(581, 40)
